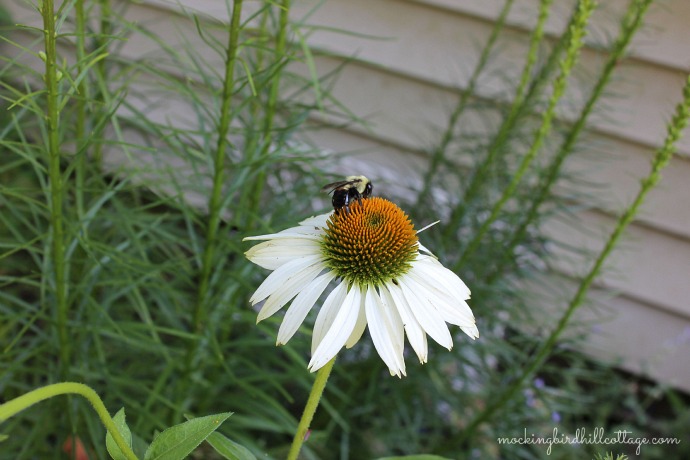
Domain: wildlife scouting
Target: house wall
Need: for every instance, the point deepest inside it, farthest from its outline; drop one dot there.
(404, 84)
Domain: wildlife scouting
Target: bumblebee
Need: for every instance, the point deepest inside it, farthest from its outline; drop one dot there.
(348, 190)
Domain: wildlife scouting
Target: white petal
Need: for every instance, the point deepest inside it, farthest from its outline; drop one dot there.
(472, 331)
(359, 327)
(428, 317)
(316, 221)
(288, 290)
(386, 329)
(447, 278)
(424, 249)
(300, 231)
(283, 275)
(327, 313)
(428, 226)
(453, 310)
(273, 254)
(301, 306)
(293, 234)
(340, 329)
(415, 334)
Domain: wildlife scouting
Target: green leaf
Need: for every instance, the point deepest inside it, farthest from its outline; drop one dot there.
(3, 437)
(121, 425)
(229, 448)
(178, 441)
(415, 457)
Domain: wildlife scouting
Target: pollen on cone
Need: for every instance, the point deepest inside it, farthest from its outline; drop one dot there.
(374, 242)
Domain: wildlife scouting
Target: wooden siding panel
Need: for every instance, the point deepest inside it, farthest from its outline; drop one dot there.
(646, 265)
(439, 48)
(636, 336)
(401, 85)
(442, 49)
(661, 41)
(408, 113)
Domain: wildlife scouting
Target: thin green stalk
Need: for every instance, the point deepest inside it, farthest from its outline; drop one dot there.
(661, 159)
(80, 123)
(533, 53)
(516, 109)
(101, 69)
(254, 135)
(440, 151)
(214, 207)
(281, 44)
(17, 405)
(51, 77)
(260, 56)
(269, 120)
(629, 26)
(585, 9)
(310, 409)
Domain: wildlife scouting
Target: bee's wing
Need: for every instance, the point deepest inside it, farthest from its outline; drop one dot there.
(328, 188)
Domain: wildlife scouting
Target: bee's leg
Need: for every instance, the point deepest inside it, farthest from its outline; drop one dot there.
(347, 204)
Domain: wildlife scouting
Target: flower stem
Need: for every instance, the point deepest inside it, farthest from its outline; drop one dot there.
(629, 26)
(310, 409)
(214, 206)
(661, 159)
(577, 33)
(520, 108)
(101, 43)
(255, 192)
(51, 77)
(439, 152)
(81, 108)
(535, 42)
(17, 405)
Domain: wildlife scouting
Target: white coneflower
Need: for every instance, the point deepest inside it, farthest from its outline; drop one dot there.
(382, 280)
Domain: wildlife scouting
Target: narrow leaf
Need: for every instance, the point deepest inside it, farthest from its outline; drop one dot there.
(177, 442)
(122, 427)
(415, 457)
(229, 448)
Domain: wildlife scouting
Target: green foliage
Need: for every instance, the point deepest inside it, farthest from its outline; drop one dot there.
(229, 448)
(127, 185)
(113, 450)
(609, 456)
(177, 442)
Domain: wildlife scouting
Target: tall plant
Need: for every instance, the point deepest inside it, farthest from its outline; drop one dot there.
(128, 184)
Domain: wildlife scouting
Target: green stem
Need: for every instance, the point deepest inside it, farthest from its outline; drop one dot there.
(214, 207)
(532, 54)
(51, 78)
(516, 109)
(101, 44)
(79, 130)
(310, 409)
(256, 103)
(585, 9)
(17, 405)
(630, 24)
(440, 151)
(281, 43)
(271, 106)
(661, 159)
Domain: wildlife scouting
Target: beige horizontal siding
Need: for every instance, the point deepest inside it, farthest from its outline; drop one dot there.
(637, 336)
(402, 84)
(403, 87)
(442, 49)
(659, 43)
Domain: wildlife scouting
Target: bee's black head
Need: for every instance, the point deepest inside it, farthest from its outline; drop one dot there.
(368, 189)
